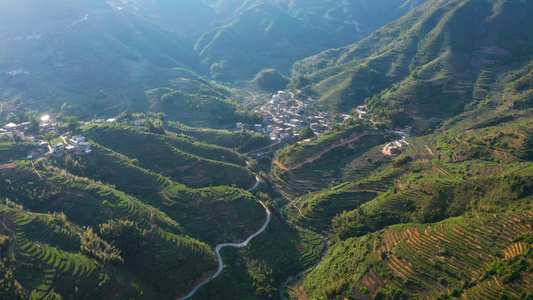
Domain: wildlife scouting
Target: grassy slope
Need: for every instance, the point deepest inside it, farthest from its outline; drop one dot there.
(161, 154)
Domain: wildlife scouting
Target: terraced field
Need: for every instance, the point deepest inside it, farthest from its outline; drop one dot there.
(218, 214)
(54, 249)
(464, 253)
(157, 153)
(316, 210)
(167, 257)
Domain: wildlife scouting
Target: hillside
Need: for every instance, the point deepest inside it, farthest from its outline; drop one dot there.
(274, 34)
(48, 246)
(398, 167)
(104, 56)
(476, 257)
(71, 48)
(459, 190)
(318, 163)
(202, 166)
(426, 66)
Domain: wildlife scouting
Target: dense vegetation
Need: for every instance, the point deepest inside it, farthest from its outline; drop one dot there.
(447, 214)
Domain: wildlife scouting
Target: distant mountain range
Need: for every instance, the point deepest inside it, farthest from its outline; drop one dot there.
(66, 51)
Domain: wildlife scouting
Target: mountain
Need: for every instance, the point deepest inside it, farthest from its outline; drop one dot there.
(74, 52)
(448, 213)
(68, 51)
(274, 34)
(425, 66)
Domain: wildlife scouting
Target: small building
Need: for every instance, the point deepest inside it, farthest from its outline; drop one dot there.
(401, 143)
(285, 136)
(70, 148)
(75, 140)
(112, 120)
(138, 122)
(10, 127)
(239, 125)
(84, 147)
(58, 147)
(258, 127)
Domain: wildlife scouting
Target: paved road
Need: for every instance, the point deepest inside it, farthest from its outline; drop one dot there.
(220, 246)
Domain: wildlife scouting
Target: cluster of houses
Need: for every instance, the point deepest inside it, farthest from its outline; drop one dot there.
(15, 129)
(18, 129)
(77, 145)
(287, 116)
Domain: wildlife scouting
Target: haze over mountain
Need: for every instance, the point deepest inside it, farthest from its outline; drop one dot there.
(67, 51)
(266, 149)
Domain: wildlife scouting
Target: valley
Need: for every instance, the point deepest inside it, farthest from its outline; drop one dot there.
(272, 149)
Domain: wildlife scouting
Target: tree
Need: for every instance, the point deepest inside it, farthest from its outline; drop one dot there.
(94, 246)
(307, 133)
(123, 234)
(34, 123)
(49, 136)
(10, 287)
(73, 123)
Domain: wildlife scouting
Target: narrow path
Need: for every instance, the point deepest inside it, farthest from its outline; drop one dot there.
(283, 286)
(220, 246)
(33, 166)
(319, 155)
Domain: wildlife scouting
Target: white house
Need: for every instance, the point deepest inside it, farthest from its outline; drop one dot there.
(58, 147)
(10, 127)
(75, 140)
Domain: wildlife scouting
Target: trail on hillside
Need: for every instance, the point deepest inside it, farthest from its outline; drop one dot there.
(220, 246)
(319, 155)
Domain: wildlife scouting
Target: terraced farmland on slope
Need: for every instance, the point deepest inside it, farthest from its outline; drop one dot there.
(217, 214)
(316, 210)
(157, 153)
(482, 255)
(54, 249)
(114, 169)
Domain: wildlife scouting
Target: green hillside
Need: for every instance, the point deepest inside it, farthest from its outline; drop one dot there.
(49, 245)
(461, 191)
(426, 66)
(475, 257)
(166, 155)
(316, 164)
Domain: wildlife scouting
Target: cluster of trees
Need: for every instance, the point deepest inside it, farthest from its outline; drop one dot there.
(94, 246)
(125, 235)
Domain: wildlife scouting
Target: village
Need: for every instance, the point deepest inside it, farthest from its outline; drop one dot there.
(287, 116)
(72, 144)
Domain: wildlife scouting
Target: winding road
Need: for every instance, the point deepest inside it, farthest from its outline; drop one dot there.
(220, 246)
